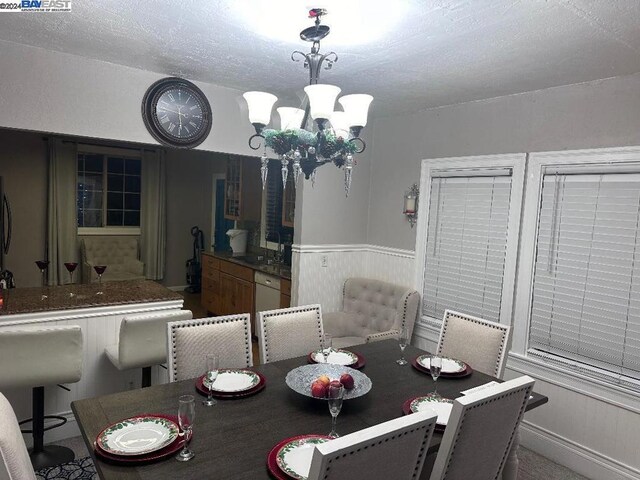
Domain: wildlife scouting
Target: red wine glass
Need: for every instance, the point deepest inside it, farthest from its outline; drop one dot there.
(99, 270)
(43, 265)
(71, 267)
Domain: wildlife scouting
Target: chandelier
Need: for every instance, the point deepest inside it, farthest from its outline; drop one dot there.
(331, 137)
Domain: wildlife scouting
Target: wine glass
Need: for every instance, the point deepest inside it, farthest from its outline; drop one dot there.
(327, 344)
(186, 416)
(335, 395)
(403, 340)
(99, 270)
(71, 267)
(43, 265)
(212, 362)
(435, 366)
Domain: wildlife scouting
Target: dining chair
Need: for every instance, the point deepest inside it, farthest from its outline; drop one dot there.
(394, 449)
(190, 340)
(142, 341)
(481, 430)
(480, 343)
(35, 357)
(289, 332)
(15, 458)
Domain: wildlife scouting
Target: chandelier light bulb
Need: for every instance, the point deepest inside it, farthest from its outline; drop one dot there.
(290, 117)
(260, 105)
(322, 100)
(356, 107)
(340, 124)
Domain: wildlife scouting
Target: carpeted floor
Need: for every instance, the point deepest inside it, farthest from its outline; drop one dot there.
(532, 466)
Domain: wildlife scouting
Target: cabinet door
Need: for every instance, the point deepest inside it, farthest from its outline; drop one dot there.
(227, 294)
(206, 296)
(236, 295)
(244, 296)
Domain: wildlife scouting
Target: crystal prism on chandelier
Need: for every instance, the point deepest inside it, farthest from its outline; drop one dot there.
(332, 136)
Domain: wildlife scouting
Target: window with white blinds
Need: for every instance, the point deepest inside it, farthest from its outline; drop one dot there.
(586, 285)
(466, 243)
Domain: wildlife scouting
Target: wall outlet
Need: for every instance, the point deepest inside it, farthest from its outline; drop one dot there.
(324, 261)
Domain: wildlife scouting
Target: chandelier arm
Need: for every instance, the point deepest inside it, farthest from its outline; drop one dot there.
(330, 57)
(360, 144)
(298, 52)
(255, 135)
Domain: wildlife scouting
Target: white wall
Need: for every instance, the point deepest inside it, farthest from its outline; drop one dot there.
(48, 91)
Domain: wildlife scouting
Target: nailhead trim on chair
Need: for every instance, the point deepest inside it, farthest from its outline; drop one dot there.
(423, 447)
(485, 323)
(480, 404)
(209, 321)
(287, 311)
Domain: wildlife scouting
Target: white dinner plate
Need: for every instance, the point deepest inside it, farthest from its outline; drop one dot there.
(449, 365)
(138, 435)
(336, 356)
(294, 457)
(442, 406)
(230, 381)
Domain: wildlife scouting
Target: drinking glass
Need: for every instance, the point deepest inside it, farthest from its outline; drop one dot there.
(212, 362)
(403, 339)
(71, 266)
(435, 366)
(43, 265)
(335, 395)
(186, 416)
(99, 270)
(327, 344)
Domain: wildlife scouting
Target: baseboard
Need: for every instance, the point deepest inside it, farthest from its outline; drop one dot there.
(574, 456)
(68, 430)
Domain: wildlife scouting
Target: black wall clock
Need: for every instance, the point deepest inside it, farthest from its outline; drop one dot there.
(176, 113)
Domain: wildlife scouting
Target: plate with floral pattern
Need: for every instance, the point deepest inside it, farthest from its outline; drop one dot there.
(450, 366)
(336, 356)
(440, 405)
(137, 435)
(294, 456)
(231, 381)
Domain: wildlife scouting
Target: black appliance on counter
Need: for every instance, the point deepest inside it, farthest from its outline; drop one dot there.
(6, 277)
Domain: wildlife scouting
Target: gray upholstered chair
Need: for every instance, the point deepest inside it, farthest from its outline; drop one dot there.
(391, 450)
(480, 343)
(142, 341)
(481, 430)
(13, 452)
(121, 255)
(190, 340)
(289, 332)
(371, 310)
(35, 356)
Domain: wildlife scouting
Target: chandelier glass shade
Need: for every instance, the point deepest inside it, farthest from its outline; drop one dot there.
(317, 134)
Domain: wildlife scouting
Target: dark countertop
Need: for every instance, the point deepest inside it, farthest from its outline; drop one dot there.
(282, 271)
(29, 300)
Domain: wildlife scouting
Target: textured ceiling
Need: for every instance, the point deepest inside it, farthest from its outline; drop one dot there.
(410, 54)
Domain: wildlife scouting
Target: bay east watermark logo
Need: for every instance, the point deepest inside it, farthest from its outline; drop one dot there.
(36, 6)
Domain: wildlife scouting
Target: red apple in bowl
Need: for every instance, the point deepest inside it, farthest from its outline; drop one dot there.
(347, 381)
(318, 389)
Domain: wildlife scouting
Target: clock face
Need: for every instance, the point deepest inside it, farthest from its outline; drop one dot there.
(177, 113)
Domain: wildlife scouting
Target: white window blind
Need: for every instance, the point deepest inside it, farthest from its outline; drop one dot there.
(586, 287)
(467, 243)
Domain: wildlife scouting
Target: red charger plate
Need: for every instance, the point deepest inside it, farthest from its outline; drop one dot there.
(272, 463)
(205, 391)
(465, 373)
(358, 365)
(165, 452)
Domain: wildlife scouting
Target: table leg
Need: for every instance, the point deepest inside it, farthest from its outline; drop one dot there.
(510, 471)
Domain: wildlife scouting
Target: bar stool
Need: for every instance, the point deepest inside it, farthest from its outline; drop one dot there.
(142, 341)
(41, 356)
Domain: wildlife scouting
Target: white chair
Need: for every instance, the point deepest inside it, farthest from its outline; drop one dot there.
(289, 332)
(480, 343)
(35, 356)
(391, 450)
(13, 452)
(142, 341)
(190, 340)
(481, 430)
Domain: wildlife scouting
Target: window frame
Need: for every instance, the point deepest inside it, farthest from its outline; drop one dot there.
(458, 165)
(105, 152)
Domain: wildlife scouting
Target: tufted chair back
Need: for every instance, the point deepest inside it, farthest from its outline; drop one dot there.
(13, 452)
(372, 310)
(119, 254)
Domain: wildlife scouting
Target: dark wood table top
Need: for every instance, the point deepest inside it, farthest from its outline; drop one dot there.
(232, 439)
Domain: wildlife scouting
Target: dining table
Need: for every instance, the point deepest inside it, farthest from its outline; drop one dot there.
(232, 439)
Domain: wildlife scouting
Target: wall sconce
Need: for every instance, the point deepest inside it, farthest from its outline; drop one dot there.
(411, 204)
